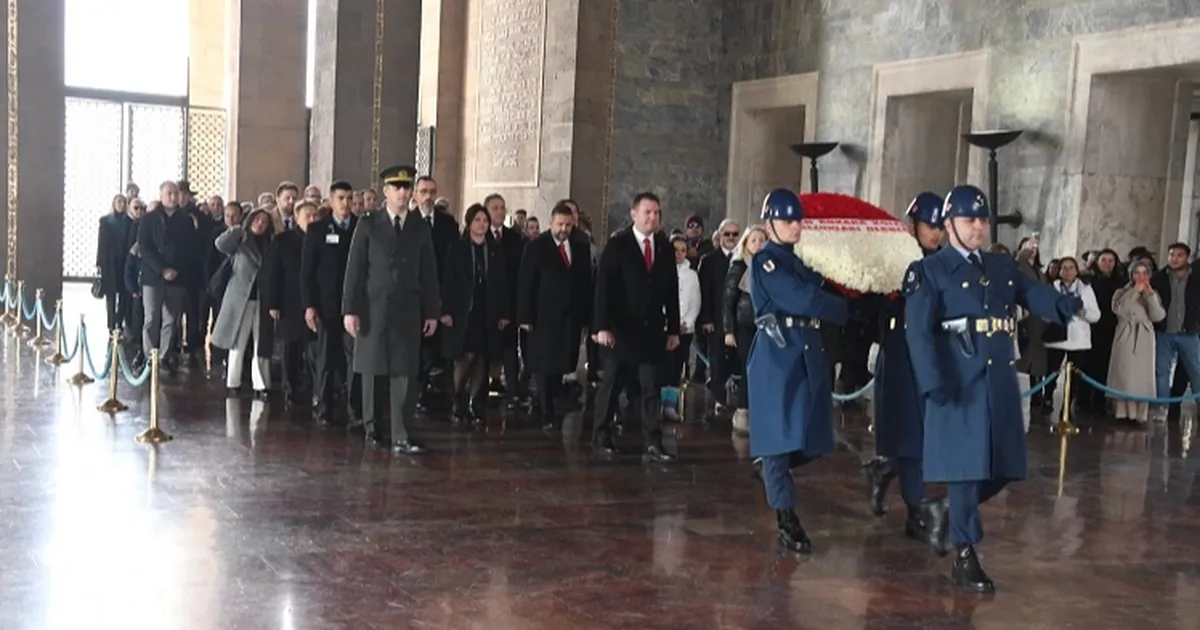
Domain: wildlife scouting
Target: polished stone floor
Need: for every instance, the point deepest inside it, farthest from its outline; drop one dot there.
(255, 518)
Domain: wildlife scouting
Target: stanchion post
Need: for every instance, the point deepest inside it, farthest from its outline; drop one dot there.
(683, 388)
(81, 378)
(19, 329)
(38, 340)
(112, 405)
(154, 435)
(7, 319)
(1065, 427)
(58, 358)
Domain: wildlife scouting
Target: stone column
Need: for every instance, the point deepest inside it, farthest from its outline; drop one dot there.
(265, 99)
(365, 102)
(206, 53)
(39, 144)
(443, 54)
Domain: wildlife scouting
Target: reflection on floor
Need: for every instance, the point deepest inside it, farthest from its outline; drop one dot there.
(255, 518)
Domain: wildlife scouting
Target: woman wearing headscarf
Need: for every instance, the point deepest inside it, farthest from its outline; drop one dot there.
(1137, 307)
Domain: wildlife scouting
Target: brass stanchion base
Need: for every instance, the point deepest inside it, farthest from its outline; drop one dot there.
(56, 359)
(21, 332)
(112, 405)
(39, 342)
(80, 379)
(1067, 428)
(154, 435)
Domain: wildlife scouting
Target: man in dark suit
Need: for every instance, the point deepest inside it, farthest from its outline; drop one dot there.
(578, 234)
(512, 247)
(167, 243)
(554, 298)
(443, 230)
(391, 301)
(323, 275)
(636, 322)
(713, 268)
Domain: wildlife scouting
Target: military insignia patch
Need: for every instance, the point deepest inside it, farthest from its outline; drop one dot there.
(769, 266)
(911, 281)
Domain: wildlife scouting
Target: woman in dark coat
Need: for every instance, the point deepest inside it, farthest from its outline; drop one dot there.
(283, 301)
(1107, 276)
(475, 309)
(112, 246)
(1031, 329)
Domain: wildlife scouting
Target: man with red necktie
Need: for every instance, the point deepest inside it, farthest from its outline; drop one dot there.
(636, 322)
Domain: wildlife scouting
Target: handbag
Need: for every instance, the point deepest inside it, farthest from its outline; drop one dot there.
(97, 288)
(220, 279)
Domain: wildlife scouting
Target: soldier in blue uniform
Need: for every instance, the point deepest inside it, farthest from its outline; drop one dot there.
(787, 373)
(960, 308)
(898, 410)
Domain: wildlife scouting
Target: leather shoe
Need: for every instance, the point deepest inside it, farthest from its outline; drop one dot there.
(968, 573)
(791, 534)
(604, 444)
(878, 479)
(658, 454)
(377, 440)
(408, 447)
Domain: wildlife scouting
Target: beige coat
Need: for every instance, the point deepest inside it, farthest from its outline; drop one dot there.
(1132, 367)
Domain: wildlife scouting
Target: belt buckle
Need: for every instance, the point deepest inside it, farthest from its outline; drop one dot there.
(981, 325)
(788, 321)
(892, 323)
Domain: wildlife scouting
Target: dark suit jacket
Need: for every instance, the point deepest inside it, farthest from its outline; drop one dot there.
(458, 297)
(323, 269)
(444, 231)
(639, 306)
(168, 243)
(713, 268)
(512, 249)
(556, 301)
(279, 285)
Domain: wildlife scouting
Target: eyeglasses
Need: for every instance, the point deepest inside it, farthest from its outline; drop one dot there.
(694, 226)
(731, 234)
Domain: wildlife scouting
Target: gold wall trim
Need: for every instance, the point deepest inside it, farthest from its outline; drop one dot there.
(377, 94)
(606, 191)
(14, 123)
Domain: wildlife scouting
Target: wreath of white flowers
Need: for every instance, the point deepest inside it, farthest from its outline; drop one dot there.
(869, 256)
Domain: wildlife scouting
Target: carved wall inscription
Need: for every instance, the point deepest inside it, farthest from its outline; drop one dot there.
(508, 120)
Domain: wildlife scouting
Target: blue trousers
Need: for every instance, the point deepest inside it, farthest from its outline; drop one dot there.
(777, 478)
(909, 473)
(1168, 347)
(965, 498)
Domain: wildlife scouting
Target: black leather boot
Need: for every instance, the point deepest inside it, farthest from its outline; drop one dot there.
(461, 413)
(791, 534)
(878, 477)
(935, 519)
(914, 526)
(968, 573)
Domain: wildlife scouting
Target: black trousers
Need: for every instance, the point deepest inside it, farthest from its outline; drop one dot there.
(548, 388)
(430, 354)
(514, 385)
(615, 374)
(292, 360)
(119, 306)
(722, 365)
(671, 370)
(194, 321)
(1054, 361)
(333, 351)
(402, 405)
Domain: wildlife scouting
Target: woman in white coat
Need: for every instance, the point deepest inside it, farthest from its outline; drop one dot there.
(1079, 331)
(689, 309)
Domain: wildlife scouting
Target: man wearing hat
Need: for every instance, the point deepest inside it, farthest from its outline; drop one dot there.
(899, 419)
(959, 306)
(196, 306)
(390, 301)
(791, 392)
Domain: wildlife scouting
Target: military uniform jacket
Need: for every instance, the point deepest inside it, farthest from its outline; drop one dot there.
(899, 412)
(789, 388)
(392, 286)
(976, 432)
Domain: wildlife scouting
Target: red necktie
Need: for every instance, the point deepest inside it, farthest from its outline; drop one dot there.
(562, 251)
(647, 254)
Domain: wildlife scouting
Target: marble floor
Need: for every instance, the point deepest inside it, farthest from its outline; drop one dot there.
(253, 517)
